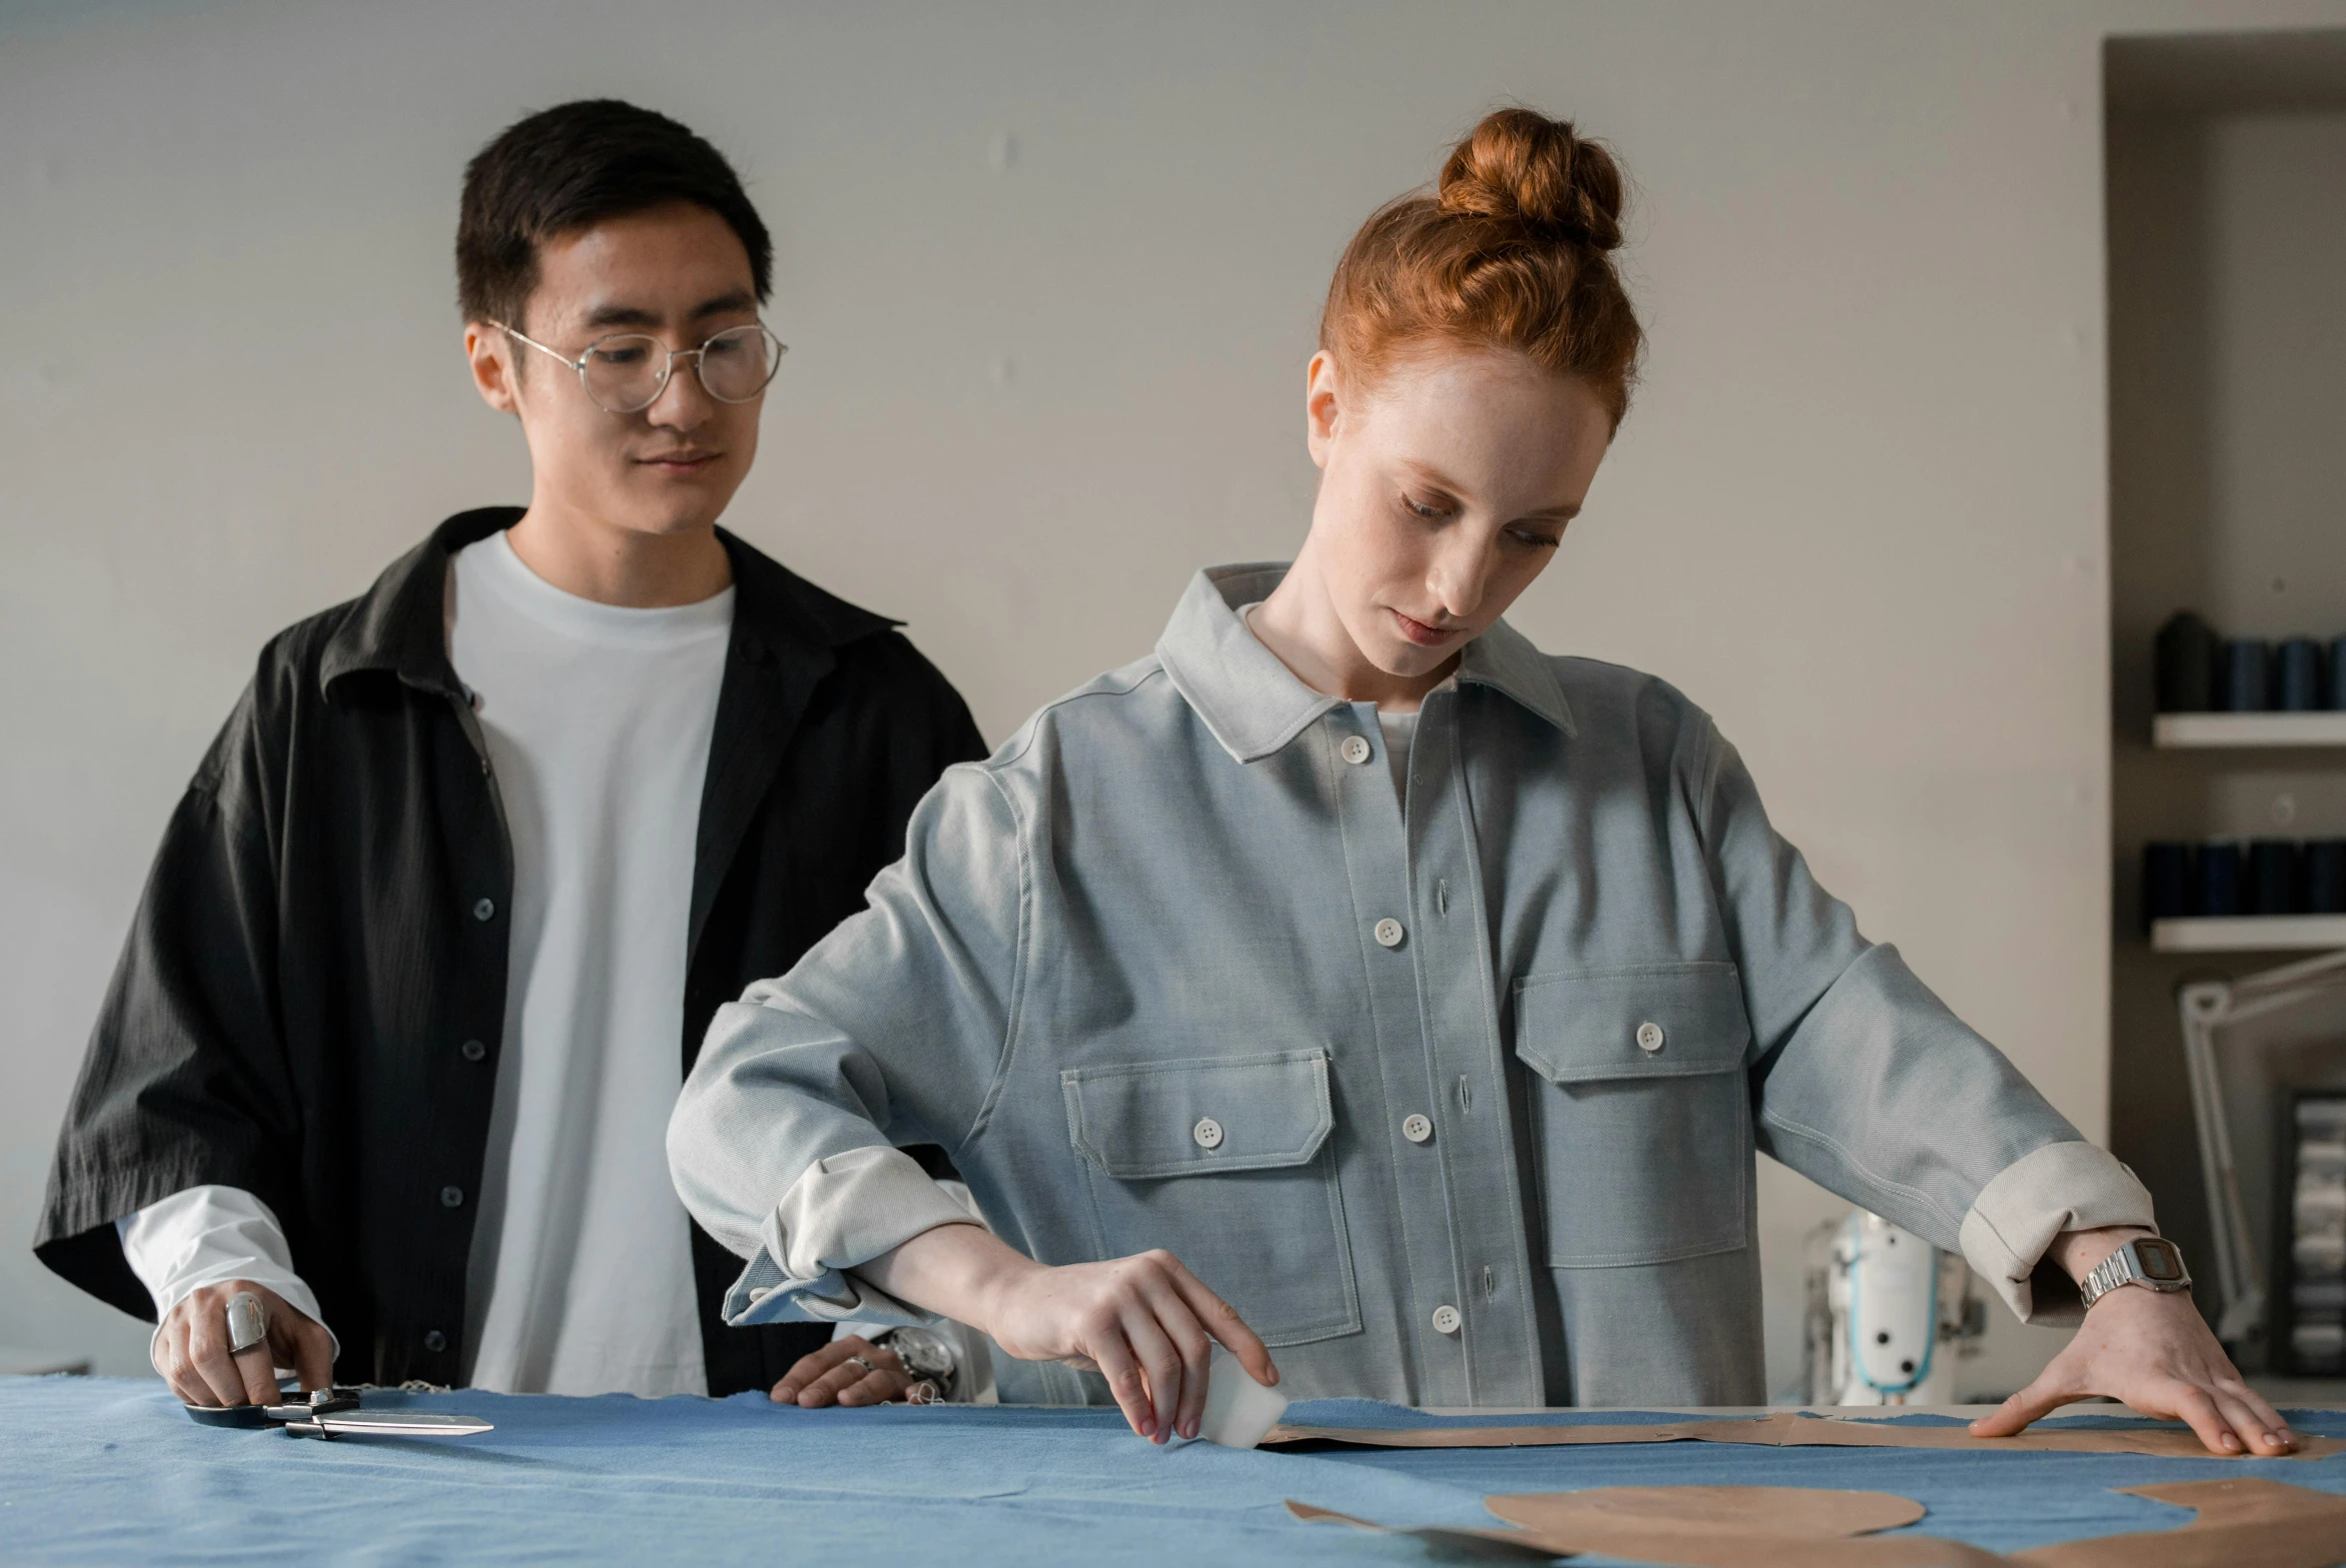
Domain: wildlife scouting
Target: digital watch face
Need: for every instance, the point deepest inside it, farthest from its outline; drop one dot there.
(2159, 1263)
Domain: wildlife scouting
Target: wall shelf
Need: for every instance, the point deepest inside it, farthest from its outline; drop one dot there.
(2249, 934)
(2197, 732)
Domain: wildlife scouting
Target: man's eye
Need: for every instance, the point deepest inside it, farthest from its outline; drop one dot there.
(724, 348)
(624, 356)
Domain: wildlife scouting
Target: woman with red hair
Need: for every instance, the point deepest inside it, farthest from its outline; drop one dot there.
(1349, 978)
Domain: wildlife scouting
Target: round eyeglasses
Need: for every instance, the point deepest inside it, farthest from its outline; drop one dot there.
(626, 373)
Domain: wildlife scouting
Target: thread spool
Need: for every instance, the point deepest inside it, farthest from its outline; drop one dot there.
(2167, 872)
(2245, 684)
(2325, 876)
(2270, 887)
(2219, 879)
(2298, 686)
(2184, 665)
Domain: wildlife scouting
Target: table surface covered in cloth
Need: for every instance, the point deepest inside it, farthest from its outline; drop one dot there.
(104, 1470)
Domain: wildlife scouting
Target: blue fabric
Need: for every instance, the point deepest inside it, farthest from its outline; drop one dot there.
(102, 1470)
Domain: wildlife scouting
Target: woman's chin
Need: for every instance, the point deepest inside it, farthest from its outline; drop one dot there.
(1410, 662)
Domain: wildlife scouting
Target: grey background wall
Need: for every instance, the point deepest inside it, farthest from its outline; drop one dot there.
(1050, 274)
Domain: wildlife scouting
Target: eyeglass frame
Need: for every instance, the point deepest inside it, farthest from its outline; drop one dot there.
(667, 369)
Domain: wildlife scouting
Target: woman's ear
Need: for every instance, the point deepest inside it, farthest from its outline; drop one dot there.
(1323, 403)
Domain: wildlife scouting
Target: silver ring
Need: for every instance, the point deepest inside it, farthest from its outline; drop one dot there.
(248, 1325)
(868, 1367)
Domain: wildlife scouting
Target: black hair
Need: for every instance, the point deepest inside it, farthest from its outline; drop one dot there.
(577, 164)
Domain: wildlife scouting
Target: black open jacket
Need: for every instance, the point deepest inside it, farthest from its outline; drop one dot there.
(324, 930)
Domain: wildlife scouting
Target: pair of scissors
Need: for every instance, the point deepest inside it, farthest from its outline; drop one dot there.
(335, 1412)
(324, 1412)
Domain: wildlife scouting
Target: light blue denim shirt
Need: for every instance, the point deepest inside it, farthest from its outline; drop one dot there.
(1455, 1097)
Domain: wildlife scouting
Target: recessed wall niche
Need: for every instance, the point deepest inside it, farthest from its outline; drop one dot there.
(2226, 214)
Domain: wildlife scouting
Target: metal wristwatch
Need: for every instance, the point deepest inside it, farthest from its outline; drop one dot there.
(2149, 1261)
(926, 1354)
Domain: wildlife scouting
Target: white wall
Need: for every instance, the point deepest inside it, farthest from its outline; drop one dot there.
(1049, 275)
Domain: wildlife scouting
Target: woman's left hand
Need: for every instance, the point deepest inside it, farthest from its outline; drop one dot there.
(2154, 1353)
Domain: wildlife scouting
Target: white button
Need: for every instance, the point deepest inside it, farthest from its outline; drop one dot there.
(1389, 934)
(1649, 1038)
(1354, 750)
(1417, 1128)
(1446, 1319)
(1208, 1132)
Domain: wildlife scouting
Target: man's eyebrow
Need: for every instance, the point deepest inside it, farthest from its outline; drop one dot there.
(727, 304)
(621, 316)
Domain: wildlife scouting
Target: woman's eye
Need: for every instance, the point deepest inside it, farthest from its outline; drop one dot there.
(1423, 508)
(1537, 541)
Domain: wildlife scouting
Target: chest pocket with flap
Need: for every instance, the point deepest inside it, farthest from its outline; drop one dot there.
(1640, 1110)
(1222, 1161)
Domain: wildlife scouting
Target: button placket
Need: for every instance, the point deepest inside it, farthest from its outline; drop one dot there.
(1354, 750)
(1435, 1030)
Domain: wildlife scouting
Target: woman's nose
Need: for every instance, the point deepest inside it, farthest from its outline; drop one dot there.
(1456, 581)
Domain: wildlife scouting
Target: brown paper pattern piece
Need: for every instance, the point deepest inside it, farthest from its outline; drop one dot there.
(2270, 1524)
(2251, 1520)
(1703, 1527)
(1791, 1429)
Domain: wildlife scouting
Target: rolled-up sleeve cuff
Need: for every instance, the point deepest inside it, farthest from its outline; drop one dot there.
(846, 1210)
(2032, 1202)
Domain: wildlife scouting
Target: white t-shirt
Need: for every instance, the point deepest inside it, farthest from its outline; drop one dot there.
(1399, 731)
(598, 722)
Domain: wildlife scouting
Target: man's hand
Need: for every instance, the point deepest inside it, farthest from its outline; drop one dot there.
(831, 1376)
(2153, 1352)
(1146, 1323)
(190, 1351)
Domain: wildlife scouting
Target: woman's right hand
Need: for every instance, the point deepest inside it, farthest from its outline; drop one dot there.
(1144, 1323)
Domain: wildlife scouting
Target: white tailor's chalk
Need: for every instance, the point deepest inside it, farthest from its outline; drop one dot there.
(1239, 1410)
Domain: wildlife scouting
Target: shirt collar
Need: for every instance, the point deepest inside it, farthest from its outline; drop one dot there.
(400, 626)
(1253, 704)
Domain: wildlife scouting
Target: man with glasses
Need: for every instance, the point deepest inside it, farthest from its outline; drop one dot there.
(380, 1089)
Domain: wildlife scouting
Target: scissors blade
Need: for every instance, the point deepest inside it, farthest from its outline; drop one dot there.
(400, 1423)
